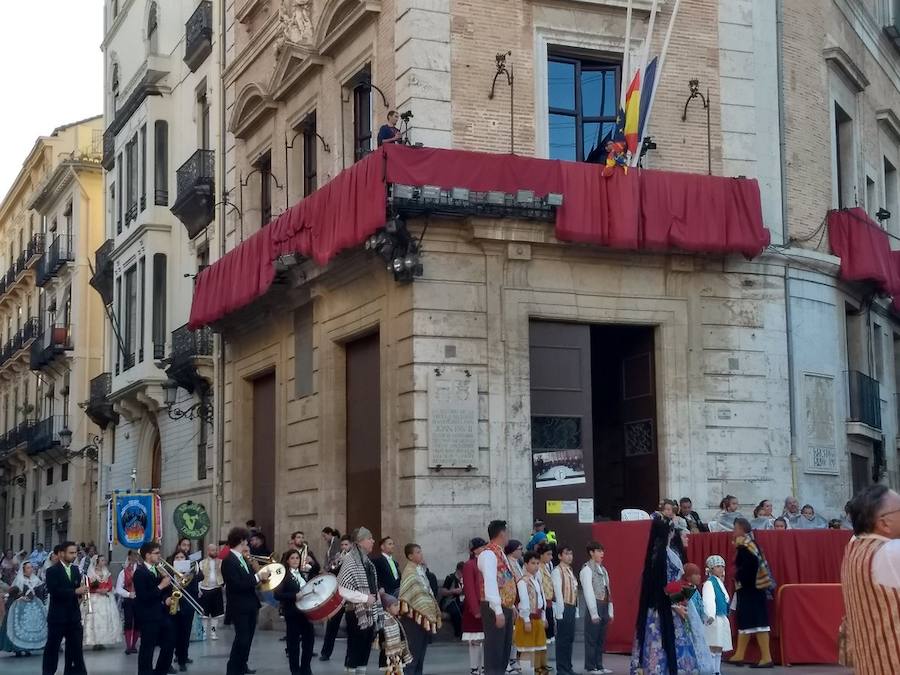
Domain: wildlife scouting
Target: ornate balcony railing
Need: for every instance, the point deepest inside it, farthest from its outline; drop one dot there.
(45, 434)
(58, 253)
(99, 408)
(102, 278)
(864, 399)
(55, 340)
(186, 359)
(195, 197)
(198, 35)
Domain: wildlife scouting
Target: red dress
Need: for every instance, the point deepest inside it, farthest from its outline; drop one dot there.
(471, 620)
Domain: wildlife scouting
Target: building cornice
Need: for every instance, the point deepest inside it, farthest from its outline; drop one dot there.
(264, 37)
(59, 181)
(851, 70)
(116, 24)
(142, 229)
(888, 119)
(873, 38)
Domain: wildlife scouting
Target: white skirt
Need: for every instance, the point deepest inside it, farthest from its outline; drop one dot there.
(102, 626)
(718, 633)
(472, 637)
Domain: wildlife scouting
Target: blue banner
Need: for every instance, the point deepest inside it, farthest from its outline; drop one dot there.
(137, 518)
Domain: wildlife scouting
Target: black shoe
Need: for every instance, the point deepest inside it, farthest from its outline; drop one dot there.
(324, 657)
(768, 664)
(249, 671)
(189, 660)
(182, 667)
(172, 670)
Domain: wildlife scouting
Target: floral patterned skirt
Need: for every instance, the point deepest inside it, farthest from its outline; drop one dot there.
(654, 661)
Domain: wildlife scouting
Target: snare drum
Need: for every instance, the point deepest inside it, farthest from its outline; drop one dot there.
(323, 601)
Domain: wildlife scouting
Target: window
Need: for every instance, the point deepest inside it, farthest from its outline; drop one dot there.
(309, 155)
(49, 475)
(112, 202)
(890, 191)
(152, 25)
(583, 97)
(64, 472)
(130, 323)
(878, 352)
(158, 320)
(67, 214)
(141, 317)
(143, 167)
(112, 448)
(202, 258)
(131, 184)
(303, 350)
(362, 120)
(871, 199)
(119, 317)
(201, 449)
(844, 158)
(203, 121)
(264, 166)
(161, 163)
(121, 183)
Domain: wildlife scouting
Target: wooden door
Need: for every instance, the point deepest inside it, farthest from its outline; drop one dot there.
(364, 434)
(561, 426)
(641, 455)
(263, 460)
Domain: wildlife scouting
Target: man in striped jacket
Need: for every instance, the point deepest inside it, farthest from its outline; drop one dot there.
(870, 576)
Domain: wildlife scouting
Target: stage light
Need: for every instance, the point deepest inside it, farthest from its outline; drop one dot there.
(496, 198)
(554, 199)
(525, 197)
(431, 192)
(459, 194)
(403, 191)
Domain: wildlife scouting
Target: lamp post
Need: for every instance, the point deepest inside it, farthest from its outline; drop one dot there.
(202, 409)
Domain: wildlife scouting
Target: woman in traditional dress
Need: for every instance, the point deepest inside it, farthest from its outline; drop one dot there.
(662, 643)
(473, 632)
(715, 605)
(102, 625)
(697, 619)
(25, 626)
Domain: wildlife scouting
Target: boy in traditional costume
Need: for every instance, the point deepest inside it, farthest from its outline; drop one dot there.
(530, 632)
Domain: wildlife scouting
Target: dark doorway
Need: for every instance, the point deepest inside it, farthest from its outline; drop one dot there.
(264, 455)
(593, 424)
(364, 434)
(859, 472)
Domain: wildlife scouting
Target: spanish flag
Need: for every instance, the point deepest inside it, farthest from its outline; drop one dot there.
(632, 112)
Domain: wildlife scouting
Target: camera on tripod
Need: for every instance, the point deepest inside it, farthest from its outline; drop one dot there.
(407, 116)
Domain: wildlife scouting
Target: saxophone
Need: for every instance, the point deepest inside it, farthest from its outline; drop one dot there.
(176, 599)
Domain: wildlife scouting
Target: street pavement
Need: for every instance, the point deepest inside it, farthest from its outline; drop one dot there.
(444, 658)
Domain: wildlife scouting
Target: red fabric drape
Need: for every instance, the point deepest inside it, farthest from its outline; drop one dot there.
(639, 210)
(795, 557)
(809, 616)
(864, 250)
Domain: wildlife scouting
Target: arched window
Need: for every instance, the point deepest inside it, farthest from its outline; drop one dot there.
(152, 25)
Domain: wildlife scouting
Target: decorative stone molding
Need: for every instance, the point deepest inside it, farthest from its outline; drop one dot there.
(294, 23)
(841, 60)
(340, 19)
(888, 119)
(295, 63)
(252, 106)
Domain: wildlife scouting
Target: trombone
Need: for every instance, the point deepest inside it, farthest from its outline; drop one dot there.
(275, 570)
(179, 584)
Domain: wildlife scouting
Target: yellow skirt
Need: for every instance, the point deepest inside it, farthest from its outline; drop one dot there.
(532, 641)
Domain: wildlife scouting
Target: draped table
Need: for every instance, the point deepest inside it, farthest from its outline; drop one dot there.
(795, 557)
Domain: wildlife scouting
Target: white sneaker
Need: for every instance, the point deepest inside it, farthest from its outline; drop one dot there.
(213, 634)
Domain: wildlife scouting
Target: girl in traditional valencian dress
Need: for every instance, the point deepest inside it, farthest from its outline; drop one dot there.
(102, 625)
(25, 627)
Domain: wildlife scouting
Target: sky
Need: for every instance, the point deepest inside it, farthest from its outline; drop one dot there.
(51, 73)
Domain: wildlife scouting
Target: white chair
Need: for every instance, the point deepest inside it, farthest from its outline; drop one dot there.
(634, 514)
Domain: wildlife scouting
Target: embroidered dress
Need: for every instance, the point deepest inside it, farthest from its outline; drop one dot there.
(715, 604)
(653, 660)
(532, 602)
(25, 627)
(103, 625)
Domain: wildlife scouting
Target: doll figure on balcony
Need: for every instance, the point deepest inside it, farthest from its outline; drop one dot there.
(615, 157)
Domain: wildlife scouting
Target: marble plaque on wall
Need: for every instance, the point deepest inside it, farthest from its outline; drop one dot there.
(452, 421)
(818, 405)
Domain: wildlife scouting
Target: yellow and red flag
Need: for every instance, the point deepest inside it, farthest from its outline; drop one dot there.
(633, 113)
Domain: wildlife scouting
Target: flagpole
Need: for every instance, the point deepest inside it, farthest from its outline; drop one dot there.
(645, 56)
(659, 72)
(626, 60)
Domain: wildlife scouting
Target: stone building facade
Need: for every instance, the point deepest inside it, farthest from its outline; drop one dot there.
(327, 377)
(162, 130)
(52, 333)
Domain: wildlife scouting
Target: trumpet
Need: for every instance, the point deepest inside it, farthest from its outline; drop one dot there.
(180, 593)
(87, 596)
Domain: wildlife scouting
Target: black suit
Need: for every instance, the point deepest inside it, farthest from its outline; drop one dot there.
(153, 620)
(241, 609)
(386, 578)
(64, 621)
(298, 627)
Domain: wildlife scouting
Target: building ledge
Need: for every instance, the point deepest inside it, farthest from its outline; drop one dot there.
(863, 430)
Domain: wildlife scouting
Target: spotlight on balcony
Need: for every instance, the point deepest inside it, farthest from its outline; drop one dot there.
(459, 194)
(525, 197)
(495, 198)
(403, 191)
(431, 193)
(554, 199)
(882, 214)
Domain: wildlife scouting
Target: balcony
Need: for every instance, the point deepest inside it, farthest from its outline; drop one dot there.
(198, 36)
(863, 405)
(99, 408)
(58, 253)
(10, 276)
(196, 192)
(44, 434)
(102, 278)
(109, 149)
(54, 341)
(190, 363)
(20, 434)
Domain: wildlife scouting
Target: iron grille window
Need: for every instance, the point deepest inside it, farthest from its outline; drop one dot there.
(362, 120)
(64, 472)
(161, 163)
(583, 98)
(310, 168)
(264, 166)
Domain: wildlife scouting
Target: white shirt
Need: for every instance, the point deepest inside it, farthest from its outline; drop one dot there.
(886, 563)
(525, 609)
(120, 584)
(558, 605)
(587, 590)
(487, 565)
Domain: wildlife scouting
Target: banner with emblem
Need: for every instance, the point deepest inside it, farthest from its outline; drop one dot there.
(137, 518)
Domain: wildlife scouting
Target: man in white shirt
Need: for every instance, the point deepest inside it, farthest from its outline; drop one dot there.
(211, 590)
(125, 593)
(498, 599)
(565, 609)
(595, 587)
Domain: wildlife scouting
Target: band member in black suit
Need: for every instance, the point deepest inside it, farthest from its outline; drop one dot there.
(310, 566)
(298, 628)
(65, 589)
(183, 621)
(386, 568)
(241, 603)
(152, 591)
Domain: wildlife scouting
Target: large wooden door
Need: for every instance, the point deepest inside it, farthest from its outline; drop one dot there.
(641, 455)
(364, 434)
(561, 425)
(263, 460)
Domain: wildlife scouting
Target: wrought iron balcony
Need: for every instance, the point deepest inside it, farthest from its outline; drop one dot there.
(102, 278)
(198, 36)
(20, 434)
(54, 341)
(196, 192)
(35, 250)
(190, 351)
(11, 275)
(58, 253)
(109, 149)
(44, 434)
(99, 408)
(864, 399)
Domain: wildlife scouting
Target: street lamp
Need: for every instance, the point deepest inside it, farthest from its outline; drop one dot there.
(202, 409)
(65, 437)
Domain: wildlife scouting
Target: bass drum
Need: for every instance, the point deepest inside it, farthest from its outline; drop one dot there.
(323, 601)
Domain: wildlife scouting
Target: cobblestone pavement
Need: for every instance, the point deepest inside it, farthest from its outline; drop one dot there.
(444, 658)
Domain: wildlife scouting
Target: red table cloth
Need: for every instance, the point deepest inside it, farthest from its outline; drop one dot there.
(795, 557)
(809, 617)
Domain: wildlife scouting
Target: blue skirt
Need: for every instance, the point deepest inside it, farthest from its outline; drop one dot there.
(26, 625)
